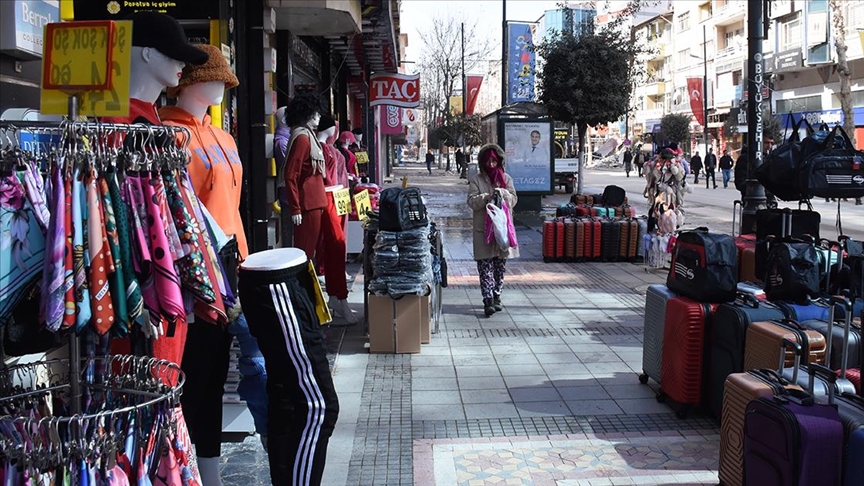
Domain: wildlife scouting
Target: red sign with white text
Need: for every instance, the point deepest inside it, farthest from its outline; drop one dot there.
(394, 89)
(694, 87)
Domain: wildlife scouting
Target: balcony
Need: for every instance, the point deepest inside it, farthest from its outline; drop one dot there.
(729, 11)
(654, 87)
(318, 17)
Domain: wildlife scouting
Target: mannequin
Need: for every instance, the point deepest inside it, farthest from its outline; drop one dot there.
(216, 174)
(279, 297)
(331, 252)
(160, 51)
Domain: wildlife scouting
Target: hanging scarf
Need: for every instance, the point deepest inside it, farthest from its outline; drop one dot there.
(496, 175)
(316, 153)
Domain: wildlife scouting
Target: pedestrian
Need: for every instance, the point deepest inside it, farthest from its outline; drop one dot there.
(430, 159)
(628, 161)
(639, 160)
(491, 260)
(460, 160)
(696, 166)
(726, 167)
(710, 167)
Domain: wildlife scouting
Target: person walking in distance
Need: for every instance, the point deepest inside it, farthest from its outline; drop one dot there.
(710, 167)
(460, 160)
(490, 180)
(726, 167)
(430, 159)
(628, 161)
(639, 160)
(696, 166)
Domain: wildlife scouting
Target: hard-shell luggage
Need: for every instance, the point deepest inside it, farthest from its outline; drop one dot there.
(746, 245)
(582, 210)
(739, 389)
(582, 199)
(579, 239)
(683, 348)
(643, 230)
(610, 240)
(629, 233)
(846, 371)
(764, 338)
(704, 266)
(851, 410)
(553, 240)
(792, 440)
(569, 240)
(593, 239)
(787, 222)
(656, 298)
(726, 341)
(565, 210)
(841, 344)
(603, 212)
(626, 211)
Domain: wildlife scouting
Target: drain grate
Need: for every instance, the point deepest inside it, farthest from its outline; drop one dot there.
(544, 332)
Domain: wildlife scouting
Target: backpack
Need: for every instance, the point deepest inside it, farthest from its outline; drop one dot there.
(704, 266)
(613, 196)
(401, 209)
(793, 272)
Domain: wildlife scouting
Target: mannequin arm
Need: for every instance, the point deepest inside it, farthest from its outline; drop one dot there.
(296, 158)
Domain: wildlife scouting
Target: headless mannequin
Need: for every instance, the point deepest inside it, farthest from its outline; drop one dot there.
(278, 259)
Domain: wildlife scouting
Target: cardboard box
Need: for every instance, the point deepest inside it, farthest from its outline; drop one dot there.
(394, 324)
(425, 312)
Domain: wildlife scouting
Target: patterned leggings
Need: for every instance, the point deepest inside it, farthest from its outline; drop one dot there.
(491, 273)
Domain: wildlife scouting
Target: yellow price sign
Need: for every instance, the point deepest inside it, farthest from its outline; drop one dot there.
(362, 157)
(364, 205)
(78, 55)
(113, 101)
(342, 199)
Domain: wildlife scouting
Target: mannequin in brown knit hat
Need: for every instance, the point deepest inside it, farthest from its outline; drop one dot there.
(217, 174)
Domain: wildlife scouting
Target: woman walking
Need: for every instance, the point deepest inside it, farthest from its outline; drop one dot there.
(491, 259)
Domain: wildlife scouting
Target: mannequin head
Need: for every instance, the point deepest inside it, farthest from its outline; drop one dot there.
(326, 128)
(358, 134)
(304, 111)
(204, 85)
(160, 51)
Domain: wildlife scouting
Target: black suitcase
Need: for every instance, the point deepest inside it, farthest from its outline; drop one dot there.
(787, 222)
(838, 342)
(726, 341)
(610, 241)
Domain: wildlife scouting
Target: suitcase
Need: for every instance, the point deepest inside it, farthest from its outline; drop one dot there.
(683, 348)
(593, 239)
(851, 410)
(581, 199)
(643, 230)
(787, 222)
(841, 345)
(847, 372)
(579, 239)
(611, 240)
(629, 233)
(656, 298)
(805, 312)
(582, 211)
(764, 338)
(626, 211)
(751, 288)
(738, 391)
(792, 440)
(726, 339)
(569, 240)
(604, 212)
(553, 240)
(746, 247)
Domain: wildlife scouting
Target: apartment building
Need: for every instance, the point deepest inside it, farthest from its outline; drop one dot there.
(708, 40)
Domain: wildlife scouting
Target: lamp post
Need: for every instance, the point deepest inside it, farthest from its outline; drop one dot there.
(704, 60)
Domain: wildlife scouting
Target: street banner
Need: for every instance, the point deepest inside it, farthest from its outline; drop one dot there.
(472, 85)
(456, 105)
(694, 87)
(520, 62)
(527, 145)
(394, 89)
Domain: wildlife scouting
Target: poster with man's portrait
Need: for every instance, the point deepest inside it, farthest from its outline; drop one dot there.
(529, 161)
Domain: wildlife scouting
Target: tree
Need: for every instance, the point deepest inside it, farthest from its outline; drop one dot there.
(587, 80)
(842, 67)
(675, 127)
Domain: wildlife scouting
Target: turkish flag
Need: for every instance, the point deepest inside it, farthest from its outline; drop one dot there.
(694, 87)
(472, 84)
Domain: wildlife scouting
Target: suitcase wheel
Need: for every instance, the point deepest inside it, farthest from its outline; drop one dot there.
(682, 413)
(643, 378)
(661, 397)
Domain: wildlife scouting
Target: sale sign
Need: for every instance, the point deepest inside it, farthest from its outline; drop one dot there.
(394, 89)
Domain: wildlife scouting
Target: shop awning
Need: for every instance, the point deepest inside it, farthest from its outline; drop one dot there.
(317, 17)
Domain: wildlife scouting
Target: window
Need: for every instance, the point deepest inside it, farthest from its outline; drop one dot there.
(854, 17)
(806, 103)
(684, 58)
(736, 78)
(857, 99)
(790, 33)
(705, 11)
(684, 22)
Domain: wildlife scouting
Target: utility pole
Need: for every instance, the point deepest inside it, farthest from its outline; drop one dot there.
(705, 86)
(504, 54)
(754, 198)
(464, 99)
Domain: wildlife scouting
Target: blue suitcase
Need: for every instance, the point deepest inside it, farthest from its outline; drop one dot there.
(652, 343)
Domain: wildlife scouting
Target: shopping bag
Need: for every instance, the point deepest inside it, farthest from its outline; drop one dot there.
(498, 218)
(511, 230)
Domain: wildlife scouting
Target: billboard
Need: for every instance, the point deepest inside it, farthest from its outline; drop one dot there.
(520, 62)
(529, 159)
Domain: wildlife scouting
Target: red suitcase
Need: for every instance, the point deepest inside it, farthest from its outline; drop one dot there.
(593, 239)
(553, 240)
(683, 344)
(746, 245)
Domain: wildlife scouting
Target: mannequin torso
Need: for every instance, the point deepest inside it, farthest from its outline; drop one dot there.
(304, 180)
(151, 72)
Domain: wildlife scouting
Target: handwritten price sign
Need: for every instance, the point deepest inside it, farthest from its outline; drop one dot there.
(342, 199)
(78, 55)
(364, 205)
(111, 101)
(362, 157)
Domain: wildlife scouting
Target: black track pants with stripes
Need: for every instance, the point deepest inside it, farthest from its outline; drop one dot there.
(302, 400)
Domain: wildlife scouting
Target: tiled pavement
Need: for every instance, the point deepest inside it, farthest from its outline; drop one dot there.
(543, 393)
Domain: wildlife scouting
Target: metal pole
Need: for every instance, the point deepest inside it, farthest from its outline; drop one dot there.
(464, 98)
(504, 54)
(74, 343)
(705, 87)
(754, 197)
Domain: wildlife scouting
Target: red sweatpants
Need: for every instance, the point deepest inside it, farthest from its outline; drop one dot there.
(325, 226)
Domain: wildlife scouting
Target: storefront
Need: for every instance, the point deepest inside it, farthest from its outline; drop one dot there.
(831, 118)
(21, 31)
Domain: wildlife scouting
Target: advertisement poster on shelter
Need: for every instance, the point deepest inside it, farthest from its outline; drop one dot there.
(529, 161)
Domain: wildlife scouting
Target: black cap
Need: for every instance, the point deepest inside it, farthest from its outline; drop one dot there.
(162, 32)
(326, 122)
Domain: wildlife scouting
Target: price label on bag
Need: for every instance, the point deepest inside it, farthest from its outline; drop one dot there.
(342, 199)
(110, 101)
(363, 204)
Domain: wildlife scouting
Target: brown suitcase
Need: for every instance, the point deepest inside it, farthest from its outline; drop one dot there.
(747, 266)
(579, 235)
(628, 237)
(738, 391)
(569, 240)
(763, 339)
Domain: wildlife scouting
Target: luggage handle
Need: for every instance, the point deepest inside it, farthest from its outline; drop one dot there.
(748, 299)
(774, 374)
(826, 372)
(797, 348)
(847, 327)
(853, 397)
(735, 205)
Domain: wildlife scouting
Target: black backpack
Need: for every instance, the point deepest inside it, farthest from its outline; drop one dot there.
(704, 266)
(613, 196)
(401, 209)
(792, 273)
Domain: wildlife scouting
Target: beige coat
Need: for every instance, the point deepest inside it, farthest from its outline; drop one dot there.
(479, 187)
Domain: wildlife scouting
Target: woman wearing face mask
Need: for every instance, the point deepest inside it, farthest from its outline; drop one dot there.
(491, 260)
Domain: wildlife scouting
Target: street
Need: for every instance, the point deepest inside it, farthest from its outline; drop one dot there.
(713, 207)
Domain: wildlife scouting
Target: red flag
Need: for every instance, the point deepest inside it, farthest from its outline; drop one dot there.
(694, 87)
(472, 84)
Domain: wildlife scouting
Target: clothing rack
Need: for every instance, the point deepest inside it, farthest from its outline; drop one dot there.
(104, 139)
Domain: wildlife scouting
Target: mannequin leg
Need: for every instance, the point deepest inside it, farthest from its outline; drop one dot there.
(306, 234)
(334, 251)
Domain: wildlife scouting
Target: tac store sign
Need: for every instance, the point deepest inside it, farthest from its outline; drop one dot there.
(21, 26)
(394, 89)
(520, 62)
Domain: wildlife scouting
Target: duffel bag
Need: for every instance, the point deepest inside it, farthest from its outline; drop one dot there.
(401, 209)
(774, 172)
(704, 266)
(835, 172)
(614, 196)
(792, 273)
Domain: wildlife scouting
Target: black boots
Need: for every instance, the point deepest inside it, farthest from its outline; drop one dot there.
(496, 303)
(488, 307)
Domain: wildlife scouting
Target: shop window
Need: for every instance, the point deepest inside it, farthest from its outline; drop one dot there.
(803, 104)
(857, 99)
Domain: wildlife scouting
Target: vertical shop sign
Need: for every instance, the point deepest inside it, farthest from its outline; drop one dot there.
(391, 120)
(520, 62)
